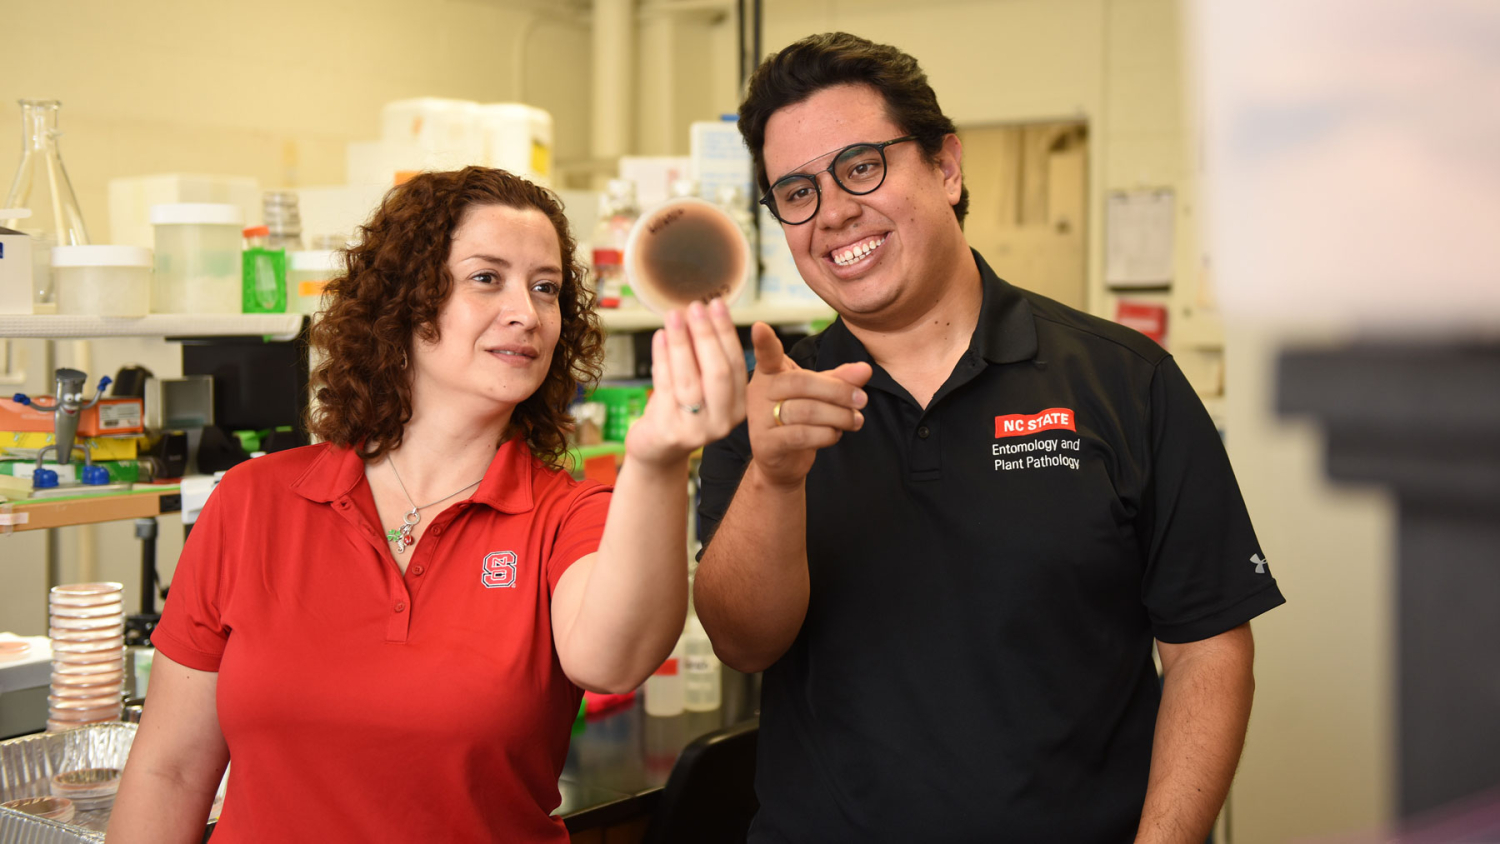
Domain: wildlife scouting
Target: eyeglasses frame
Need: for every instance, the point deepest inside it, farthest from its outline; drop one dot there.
(769, 201)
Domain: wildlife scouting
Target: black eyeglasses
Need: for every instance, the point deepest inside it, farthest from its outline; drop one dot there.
(858, 169)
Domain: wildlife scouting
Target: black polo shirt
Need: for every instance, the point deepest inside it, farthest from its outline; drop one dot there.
(987, 576)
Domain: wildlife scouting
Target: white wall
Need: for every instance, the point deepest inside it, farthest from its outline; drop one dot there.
(686, 71)
(1319, 758)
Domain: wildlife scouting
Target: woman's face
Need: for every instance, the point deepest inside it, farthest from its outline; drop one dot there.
(500, 324)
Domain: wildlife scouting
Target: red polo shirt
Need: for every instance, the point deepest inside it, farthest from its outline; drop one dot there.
(361, 705)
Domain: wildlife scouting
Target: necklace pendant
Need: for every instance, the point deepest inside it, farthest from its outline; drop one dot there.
(400, 537)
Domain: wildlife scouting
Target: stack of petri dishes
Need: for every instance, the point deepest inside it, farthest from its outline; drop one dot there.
(88, 654)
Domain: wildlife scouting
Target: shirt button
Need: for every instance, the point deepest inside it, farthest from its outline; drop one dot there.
(923, 432)
(400, 606)
(436, 530)
(417, 570)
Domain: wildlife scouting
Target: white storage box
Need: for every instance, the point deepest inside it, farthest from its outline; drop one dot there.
(198, 268)
(102, 280)
(431, 134)
(16, 270)
(518, 138)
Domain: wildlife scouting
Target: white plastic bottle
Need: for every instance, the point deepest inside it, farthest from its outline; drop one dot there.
(618, 212)
(732, 199)
(664, 691)
(702, 677)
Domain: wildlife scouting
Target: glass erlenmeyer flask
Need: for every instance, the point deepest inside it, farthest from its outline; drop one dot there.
(42, 185)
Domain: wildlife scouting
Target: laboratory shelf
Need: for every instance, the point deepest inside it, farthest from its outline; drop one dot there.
(139, 503)
(279, 327)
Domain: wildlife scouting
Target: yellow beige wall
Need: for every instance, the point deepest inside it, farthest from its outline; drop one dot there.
(274, 89)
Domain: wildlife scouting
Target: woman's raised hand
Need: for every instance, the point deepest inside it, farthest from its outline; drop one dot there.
(698, 378)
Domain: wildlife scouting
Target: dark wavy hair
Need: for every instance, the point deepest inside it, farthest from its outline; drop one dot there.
(837, 58)
(395, 282)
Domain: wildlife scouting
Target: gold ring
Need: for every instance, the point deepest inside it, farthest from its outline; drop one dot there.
(776, 414)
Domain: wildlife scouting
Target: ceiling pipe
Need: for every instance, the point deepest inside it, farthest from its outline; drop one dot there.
(614, 77)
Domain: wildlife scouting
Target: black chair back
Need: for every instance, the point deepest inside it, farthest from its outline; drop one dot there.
(710, 796)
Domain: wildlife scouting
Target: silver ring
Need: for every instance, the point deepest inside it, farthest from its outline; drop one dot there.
(691, 408)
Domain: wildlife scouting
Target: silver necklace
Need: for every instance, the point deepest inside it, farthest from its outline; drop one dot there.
(400, 536)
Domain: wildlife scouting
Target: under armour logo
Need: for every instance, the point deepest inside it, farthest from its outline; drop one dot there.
(1260, 565)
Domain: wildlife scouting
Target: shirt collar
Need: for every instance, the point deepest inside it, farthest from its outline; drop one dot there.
(506, 485)
(1005, 333)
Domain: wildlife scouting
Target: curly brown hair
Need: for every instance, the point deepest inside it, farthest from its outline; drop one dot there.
(395, 282)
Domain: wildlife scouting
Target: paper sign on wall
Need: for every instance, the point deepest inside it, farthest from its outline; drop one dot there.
(1139, 231)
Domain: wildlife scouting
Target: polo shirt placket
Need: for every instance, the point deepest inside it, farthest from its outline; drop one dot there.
(399, 599)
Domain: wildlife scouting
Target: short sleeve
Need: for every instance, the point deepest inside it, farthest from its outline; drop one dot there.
(1205, 571)
(719, 475)
(192, 630)
(580, 530)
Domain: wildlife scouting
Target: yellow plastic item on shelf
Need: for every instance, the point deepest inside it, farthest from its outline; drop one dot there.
(100, 448)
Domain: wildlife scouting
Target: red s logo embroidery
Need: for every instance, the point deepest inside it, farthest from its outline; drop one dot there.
(499, 570)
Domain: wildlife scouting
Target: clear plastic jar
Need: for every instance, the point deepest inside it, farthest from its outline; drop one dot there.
(102, 280)
(308, 272)
(197, 258)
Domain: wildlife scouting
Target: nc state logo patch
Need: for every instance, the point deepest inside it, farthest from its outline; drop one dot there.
(499, 570)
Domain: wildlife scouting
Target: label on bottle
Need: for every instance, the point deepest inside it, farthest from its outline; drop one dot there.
(609, 276)
(667, 669)
(699, 664)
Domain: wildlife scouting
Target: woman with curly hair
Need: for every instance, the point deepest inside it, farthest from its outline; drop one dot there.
(389, 632)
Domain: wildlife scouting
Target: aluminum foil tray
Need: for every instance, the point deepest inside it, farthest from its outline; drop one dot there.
(17, 828)
(27, 765)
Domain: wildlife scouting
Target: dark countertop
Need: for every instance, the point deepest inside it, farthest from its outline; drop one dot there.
(617, 766)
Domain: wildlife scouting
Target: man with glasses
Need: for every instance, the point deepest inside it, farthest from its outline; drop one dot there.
(956, 522)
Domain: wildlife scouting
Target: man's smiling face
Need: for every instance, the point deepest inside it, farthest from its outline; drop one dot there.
(866, 255)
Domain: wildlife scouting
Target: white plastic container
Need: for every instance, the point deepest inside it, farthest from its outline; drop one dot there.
(17, 270)
(430, 133)
(518, 138)
(308, 272)
(198, 267)
(102, 280)
(664, 689)
(702, 676)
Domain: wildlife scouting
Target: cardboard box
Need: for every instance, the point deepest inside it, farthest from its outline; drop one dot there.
(107, 418)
